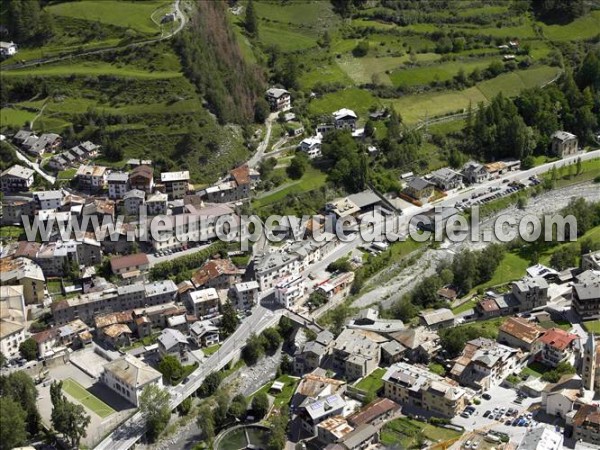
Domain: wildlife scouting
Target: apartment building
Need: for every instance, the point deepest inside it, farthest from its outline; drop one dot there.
(118, 184)
(176, 183)
(356, 353)
(290, 291)
(245, 295)
(128, 376)
(519, 333)
(25, 273)
(270, 268)
(555, 346)
(13, 320)
(16, 179)
(203, 303)
(531, 293)
(586, 295)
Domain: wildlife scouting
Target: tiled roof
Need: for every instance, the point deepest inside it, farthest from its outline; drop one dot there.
(557, 338)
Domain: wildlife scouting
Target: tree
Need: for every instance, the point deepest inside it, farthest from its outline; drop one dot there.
(2, 360)
(171, 369)
(252, 351)
(339, 265)
(251, 21)
(464, 268)
(154, 406)
(564, 257)
(564, 368)
(220, 412)
(286, 366)
(361, 49)
(29, 349)
(277, 437)
(68, 418)
(579, 168)
(20, 387)
(230, 320)
(206, 423)
(298, 166)
(210, 384)
(238, 407)
(404, 310)
(185, 406)
(369, 128)
(13, 427)
(286, 326)
(272, 340)
(261, 110)
(260, 405)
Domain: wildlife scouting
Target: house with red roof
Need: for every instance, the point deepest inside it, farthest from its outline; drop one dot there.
(555, 346)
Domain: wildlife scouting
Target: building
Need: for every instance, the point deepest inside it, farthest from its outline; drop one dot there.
(156, 204)
(591, 261)
(334, 429)
(418, 387)
(531, 293)
(91, 177)
(314, 386)
(279, 99)
(419, 189)
(116, 335)
(345, 119)
(378, 411)
(541, 438)
(588, 363)
(315, 411)
(290, 291)
(173, 343)
(586, 424)
(114, 299)
(16, 179)
(474, 172)
(117, 184)
(421, 343)
(311, 146)
(338, 285)
(13, 320)
(26, 273)
(48, 200)
(218, 274)
(176, 183)
(484, 364)
(586, 295)
(235, 188)
(564, 144)
(556, 346)
(128, 376)
(368, 320)
(446, 179)
(356, 353)
(204, 333)
(245, 295)
(133, 201)
(8, 49)
(363, 437)
(46, 341)
(310, 355)
(270, 268)
(142, 178)
(519, 333)
(130, 266)
(436, 319)
(562, 398)
(203, 303)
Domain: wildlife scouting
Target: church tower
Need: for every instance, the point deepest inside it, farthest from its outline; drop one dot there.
(588, 366)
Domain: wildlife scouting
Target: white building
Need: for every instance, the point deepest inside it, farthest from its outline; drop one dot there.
(270, 268)
(279, 99)
(8, 49)
(128, 376)
(289, 291)
(245, 295)
(117, 184)
(312, 146)
(48, 199)
(204, 303)
(16, 178)
(13, 320)
(176, 183)
(204, 333)
(541, 438)
(345, 119)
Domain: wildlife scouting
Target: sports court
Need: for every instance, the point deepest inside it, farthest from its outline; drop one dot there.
(83, 396)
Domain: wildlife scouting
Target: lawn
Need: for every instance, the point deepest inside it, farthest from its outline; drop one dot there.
(287, 39)
(356, 99)
(592, 326)
(54, 286)
(91, 68)
(403, 431)
(210, 350)
(534, 369)
(314, 16)
(512, 267)
(15, 117)
(590, 170)
(593, 234)
(582, 28)
(312, 179)
(324, 73)
(83, 396)
(125, 14)
(373, 382)
(285, 396)
(437, 72)
(10, 232)
(66, 174)
(511, 84)
(562, 324)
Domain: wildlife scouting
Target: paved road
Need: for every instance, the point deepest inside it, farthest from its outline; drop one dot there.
(129, 432)
(181, 21)
(34, 166)
(262, 147)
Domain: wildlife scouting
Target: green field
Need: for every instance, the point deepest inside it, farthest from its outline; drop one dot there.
(83, 396)
(583, 28)
(90, 68)
(285, 396)
(438, 72)
(288, 40)
(15, 117)
(373, 382)
(403, 431)
(511, 84)
(210, 350)
(592, 326)
(312, 179)
(126, 14)
(355, 99)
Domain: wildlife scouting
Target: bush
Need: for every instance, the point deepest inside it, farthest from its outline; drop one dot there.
(361, 49)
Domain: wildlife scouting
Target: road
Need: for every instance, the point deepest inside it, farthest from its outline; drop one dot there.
(264, 144)
(128, 433)
(34, 166)
(181, 21)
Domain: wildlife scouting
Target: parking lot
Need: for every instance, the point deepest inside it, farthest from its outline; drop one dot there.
(496, 192)
(502, 400)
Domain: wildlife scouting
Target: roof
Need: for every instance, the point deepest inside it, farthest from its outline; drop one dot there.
(588, 291)
(587, 415)
(415, 337)
(118, 177)
(563, 136)
(133, 260)
(18, 171)
(360, 435)
(527, 284)
(437, 316)
(320, 407)
(364, 198)
(167, 177)
(539, 270)
(213, 269)
(12, 310)
(134, 193)
(142, 171)
(241, 175)
(132, 371)
(541, 438)
(521, 329)
(246, 286)
(112, 318)
(557, 338)
(488, 305)
(48, 195)
(312, 385)
(343, 113)
(373, 410)
(337, 426)
(169, 338)
(203, 327)
(445, 174)
(418, 183)
(276, 92)
(116, 330)
(45, 336)
(93, 171)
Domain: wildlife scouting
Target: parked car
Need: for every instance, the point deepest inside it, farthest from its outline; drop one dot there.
(486, 396)
(487, 413)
